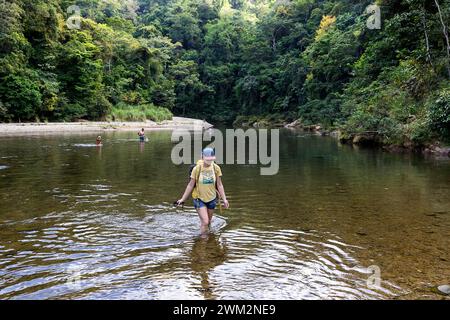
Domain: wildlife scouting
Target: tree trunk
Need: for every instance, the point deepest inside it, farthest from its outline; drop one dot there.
(426, 39)
(444, 31)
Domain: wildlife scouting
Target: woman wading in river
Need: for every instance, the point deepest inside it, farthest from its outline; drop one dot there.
(205, 184)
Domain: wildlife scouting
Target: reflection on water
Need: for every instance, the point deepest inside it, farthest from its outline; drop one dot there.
(96, 223)
(206, 254)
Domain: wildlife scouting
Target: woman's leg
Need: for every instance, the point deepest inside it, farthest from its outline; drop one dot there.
(204, 219)
(211, 206)
(210, 215)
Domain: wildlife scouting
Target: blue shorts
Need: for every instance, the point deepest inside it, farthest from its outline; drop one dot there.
(210, 205)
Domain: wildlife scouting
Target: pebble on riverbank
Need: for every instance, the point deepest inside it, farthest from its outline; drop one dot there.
(443, 289)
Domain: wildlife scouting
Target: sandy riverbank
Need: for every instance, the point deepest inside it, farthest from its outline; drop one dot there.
(11, 129)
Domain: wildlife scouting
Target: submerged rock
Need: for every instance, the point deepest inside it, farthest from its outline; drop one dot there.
(334, 134)
(444, 289)
(437, 150)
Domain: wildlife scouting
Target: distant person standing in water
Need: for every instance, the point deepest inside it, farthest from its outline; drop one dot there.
(98, 141)
(205, 184)
(141, 135)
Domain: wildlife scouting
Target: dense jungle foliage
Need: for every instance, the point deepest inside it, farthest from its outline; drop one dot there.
(322, 61)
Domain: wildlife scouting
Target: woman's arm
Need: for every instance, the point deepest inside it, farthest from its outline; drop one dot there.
(221, 190)
(188, 191)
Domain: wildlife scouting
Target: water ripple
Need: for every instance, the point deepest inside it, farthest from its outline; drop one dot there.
(92, 245)
(96, 255)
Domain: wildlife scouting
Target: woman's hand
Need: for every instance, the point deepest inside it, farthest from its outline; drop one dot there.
(179, 202)
(226, 204)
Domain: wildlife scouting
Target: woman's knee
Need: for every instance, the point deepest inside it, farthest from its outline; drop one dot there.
(204, 219)
(203, 214)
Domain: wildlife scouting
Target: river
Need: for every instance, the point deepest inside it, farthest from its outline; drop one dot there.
(85, 222)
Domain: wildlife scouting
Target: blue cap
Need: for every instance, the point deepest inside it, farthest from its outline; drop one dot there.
(209, 154)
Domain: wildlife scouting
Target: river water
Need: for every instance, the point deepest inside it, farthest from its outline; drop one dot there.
(84, 222)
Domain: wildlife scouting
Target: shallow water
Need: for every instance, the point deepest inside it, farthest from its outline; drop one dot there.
(98, 222)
